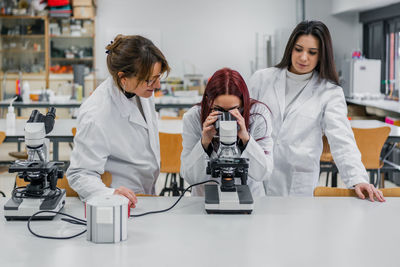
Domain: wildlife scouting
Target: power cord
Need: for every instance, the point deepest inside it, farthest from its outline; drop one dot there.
(77, 221)
(74, 220)
(183, 193)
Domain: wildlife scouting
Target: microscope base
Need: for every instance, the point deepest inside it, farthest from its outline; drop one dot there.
(22, 209)
(237, 202)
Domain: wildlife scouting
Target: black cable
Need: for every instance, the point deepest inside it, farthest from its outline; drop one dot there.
(77, 221)
(183, 193)
(72, 221)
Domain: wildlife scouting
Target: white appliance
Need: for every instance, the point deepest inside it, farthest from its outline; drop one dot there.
(361, 78)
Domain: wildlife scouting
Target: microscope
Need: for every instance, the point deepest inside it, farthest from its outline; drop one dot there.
(228, 165)
(41, 192)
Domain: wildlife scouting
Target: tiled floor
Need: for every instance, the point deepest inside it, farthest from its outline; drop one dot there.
(7, 180)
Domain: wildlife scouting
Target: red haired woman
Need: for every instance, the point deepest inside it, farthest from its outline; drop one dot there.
(227, 91)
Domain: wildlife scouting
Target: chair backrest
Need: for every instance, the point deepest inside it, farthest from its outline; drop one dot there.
(106, 177)
(326, 155)
(370, 142)
(170, 152)
(391, 192)
(322, 191)
(171, 117)
(2, 137)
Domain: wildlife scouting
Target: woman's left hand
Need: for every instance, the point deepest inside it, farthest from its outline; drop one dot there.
(242, 134)
(371, 190)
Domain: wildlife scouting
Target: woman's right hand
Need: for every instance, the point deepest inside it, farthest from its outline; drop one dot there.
(209, 131)
(123, 191)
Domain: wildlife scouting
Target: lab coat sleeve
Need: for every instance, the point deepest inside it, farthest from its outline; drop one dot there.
(193, 157)
(88, 159)
(260, 146)
(255, 84)
(341, 140)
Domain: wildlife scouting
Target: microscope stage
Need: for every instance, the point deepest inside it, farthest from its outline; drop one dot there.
(22, 209)
(237, 202)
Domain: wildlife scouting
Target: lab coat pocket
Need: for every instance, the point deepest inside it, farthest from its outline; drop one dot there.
(303, 184)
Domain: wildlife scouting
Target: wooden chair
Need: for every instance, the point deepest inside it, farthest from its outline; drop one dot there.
(171, 117)
(370, 142)
(170, 152)
(321, 191)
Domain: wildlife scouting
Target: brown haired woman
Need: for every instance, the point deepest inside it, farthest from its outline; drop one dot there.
(117, 125)
(227, 91)
(307, 102)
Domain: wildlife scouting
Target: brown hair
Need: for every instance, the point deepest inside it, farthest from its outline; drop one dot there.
(133, 55)
(326, 64)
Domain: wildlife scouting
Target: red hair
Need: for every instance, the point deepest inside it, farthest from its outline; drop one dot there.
(226, 82)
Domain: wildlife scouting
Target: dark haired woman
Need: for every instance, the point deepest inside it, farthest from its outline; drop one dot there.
(227, 91)
(306, 101)
(117, 125)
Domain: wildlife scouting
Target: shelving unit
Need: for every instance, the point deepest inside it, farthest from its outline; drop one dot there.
(71, 42)
(34, 53)
(24, 49)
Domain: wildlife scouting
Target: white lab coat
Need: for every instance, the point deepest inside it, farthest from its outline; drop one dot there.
(258, 150)
(113, 136)
(319, 109)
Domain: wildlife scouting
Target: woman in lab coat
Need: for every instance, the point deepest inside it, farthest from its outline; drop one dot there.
(306, 102)
(227, 91)
(117, 125)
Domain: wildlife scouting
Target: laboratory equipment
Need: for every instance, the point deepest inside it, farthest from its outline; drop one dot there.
(107, 219)
(228, 165)
(41, 192)
(362, 78)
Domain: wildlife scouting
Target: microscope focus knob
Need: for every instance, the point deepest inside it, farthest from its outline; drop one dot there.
(60, 174)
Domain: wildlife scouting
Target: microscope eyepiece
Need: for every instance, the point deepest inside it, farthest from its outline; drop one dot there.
(51, 112)
(48, 120)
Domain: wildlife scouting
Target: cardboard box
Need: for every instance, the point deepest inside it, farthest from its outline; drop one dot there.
(83, 12)
(82, 3)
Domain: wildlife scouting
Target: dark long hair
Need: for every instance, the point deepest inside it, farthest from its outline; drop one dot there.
(226, 81)
(326, 64)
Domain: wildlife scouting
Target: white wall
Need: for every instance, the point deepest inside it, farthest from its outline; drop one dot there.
(196, 36)
(345, 29)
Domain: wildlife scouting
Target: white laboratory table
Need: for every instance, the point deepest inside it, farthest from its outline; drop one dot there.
(62, 132)
(40, 104)
(280, 232)
(388, 105)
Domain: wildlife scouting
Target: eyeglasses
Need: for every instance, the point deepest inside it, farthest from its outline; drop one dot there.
(160, 77)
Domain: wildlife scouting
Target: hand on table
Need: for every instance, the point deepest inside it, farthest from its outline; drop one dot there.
(371, 191)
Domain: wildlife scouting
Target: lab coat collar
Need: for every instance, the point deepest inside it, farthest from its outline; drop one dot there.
(279, 87)
(127, 107)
